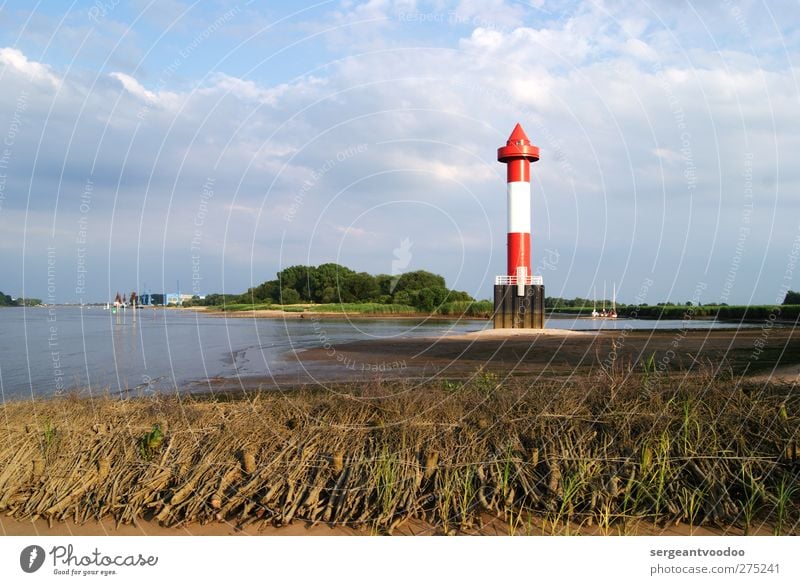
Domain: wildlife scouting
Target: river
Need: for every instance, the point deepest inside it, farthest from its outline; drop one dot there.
(49, 350)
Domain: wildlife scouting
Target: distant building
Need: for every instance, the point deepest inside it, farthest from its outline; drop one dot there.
(151, 299)
(177, 299)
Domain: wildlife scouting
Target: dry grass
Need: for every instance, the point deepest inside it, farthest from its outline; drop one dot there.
(611, 450)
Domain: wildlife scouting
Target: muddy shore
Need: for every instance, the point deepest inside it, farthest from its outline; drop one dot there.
(537, 355)
(561, 353)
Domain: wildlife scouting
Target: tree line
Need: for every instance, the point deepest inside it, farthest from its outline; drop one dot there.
(579, 303)
(334, 283)
(7, 301)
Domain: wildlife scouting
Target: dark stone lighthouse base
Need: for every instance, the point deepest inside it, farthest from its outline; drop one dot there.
(517, 312)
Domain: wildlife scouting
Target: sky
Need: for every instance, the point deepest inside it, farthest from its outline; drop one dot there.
(157, 146)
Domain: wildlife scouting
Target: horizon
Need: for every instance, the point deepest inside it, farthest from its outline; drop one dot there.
(218, 144)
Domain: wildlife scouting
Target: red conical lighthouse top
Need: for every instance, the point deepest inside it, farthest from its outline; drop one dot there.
(518, 134)
(518, 146)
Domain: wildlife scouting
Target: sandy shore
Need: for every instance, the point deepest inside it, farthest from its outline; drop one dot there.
(279, 314)
(506, 334)
(542, 354)
(491, 526)
(780, 375)
(549, 353)
(559, 353)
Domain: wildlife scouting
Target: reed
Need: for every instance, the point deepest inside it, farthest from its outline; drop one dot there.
(698, 449)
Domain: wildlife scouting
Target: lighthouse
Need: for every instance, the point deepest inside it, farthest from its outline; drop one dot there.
(518, 294)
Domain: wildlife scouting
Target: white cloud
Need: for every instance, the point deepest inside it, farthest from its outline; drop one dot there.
(135, 88)
(667, 155)
(242, 209)
(484, 39)
(640, 50)
(353, 231)
(441, 169)
(489, 13)
(246, 89)
(15, 59)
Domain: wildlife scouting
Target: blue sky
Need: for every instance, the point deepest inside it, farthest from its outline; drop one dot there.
(214, 143)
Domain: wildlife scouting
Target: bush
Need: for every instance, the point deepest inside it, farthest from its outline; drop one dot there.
(6, 300)
(359, 287)
(403, 298)
(365, 308)
(289, 296)
(458, 295)
(418, 280)
(429, 298)
(482, 309)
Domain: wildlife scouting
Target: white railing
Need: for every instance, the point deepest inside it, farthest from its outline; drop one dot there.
(506, 279)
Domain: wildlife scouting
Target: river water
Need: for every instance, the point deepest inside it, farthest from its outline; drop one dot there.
(46, 351)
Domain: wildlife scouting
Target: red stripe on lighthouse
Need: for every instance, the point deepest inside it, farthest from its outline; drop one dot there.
(518, 169)
(519, 252)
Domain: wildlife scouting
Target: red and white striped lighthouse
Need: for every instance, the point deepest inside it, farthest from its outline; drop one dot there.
(518, 154)
(519, 294)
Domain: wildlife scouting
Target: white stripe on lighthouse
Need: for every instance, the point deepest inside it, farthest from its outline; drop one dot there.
(519, 207)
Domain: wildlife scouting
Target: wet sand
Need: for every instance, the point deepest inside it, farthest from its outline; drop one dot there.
(780, 375)
(761, 354)
(559, 353)
(491, 526)
(280, 314)
(538, 355)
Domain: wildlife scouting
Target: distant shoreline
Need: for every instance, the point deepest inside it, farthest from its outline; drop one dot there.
(311, 315)
(281, 314)
(214, 311)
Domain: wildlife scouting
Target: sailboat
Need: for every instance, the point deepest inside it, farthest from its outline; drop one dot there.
(595, 314)
(603, 313)
(613, 313)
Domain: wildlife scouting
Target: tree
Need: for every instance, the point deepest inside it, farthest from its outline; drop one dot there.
(386, 283)
(265, 292)
(6, 301)
(215, 299)
(403, 298)
(326, 280)
(792, 298)
(30, 302)
(417, 280)
(298, 278)
(289, 296)
(458, 295)
(331, 283)
(429, 298)
(360, 287)
(330, 294)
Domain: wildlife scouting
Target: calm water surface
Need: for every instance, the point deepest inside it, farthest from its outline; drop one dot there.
(47, 350)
